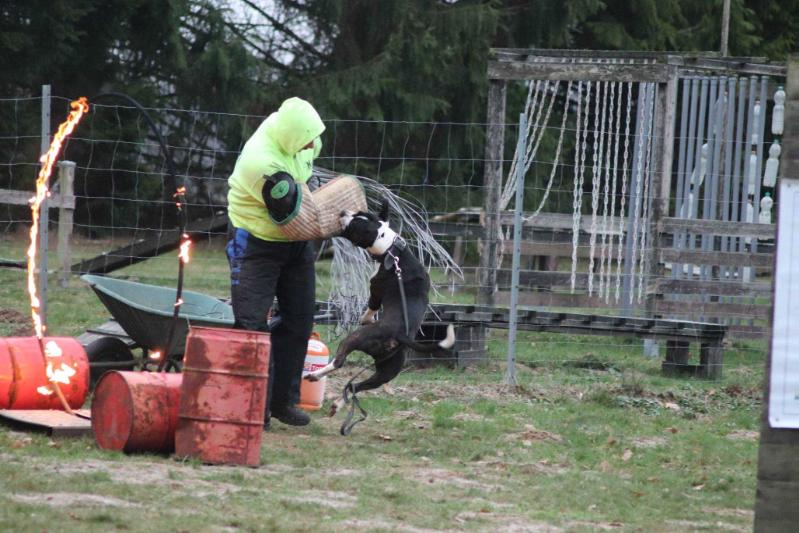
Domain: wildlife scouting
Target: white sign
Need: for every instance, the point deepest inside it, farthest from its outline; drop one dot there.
(783, 409)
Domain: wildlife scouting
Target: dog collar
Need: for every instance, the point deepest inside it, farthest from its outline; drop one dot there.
(398, 245)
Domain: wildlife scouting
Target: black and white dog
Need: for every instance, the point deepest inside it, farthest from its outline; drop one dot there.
(388, 338)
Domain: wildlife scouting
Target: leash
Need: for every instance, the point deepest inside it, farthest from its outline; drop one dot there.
(398, 271)
(349, 395)
(352, 400)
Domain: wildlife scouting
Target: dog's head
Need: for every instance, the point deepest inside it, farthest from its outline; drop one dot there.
(369, 231)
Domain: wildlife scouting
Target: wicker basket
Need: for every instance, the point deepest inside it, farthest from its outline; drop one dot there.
(318, 216)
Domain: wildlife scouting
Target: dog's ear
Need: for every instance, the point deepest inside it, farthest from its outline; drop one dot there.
(383, 214)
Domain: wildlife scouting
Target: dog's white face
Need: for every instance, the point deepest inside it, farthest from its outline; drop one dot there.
(367, 231)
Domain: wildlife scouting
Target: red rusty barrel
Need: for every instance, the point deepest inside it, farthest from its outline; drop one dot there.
(223, 396)
(136, 411)
(22, 372)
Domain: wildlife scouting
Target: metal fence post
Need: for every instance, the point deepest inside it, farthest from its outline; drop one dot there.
(44, 218)
(510, 374)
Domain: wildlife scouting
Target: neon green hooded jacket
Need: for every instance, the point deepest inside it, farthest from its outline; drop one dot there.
(275, 146)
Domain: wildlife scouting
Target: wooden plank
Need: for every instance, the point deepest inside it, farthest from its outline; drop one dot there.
(492, 179)
(720, 309)
(665, 115)
(551, 299)
(550, 249)
(719, 288)
(698, 257)
(540, 278)
(570, 54)
(13, 197)
(748, 332)
(143, 249)
(718, 227)
(527, 70)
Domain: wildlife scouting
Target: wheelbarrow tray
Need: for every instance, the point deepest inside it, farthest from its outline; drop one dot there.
(145, 311)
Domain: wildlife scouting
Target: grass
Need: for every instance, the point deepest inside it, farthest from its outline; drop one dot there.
(592, 437)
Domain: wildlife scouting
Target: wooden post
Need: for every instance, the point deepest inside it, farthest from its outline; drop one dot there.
(665, 121)
(66, 180)
(677, 355)
(725, 28)
(492, 182)
(778, 458)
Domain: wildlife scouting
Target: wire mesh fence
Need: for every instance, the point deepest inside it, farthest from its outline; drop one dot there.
(589, 165)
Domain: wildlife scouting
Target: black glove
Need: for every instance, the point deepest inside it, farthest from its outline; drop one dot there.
(281, 196)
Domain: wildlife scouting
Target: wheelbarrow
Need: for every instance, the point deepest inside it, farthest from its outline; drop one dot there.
(142, 318)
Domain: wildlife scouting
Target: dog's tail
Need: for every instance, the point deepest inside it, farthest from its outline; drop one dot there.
(443, 345)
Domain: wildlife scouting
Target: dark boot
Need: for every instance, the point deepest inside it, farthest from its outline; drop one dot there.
(291, 415)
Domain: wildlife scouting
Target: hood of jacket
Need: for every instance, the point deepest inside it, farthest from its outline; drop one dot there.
(294, 125)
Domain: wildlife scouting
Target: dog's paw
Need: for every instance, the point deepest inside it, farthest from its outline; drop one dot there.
(335, 406)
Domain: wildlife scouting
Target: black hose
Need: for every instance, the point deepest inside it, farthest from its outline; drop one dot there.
(180, 203)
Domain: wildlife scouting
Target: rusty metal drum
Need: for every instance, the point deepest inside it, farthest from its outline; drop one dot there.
(223, 396)
(136, 411)
(23, 374)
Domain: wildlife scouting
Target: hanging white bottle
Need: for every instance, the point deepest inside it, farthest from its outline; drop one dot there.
(753, 174)
(772, 165)
(778, 115)
(766, 203)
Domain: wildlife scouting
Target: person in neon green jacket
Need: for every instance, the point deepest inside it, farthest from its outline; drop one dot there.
(264, 264)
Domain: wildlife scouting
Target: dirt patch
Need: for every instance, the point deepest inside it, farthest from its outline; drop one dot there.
(441, 476)
(594, 526)
(743, 434)
(18, 323)
(531, 435)
(506, 523)
(331, 499)
(469, 417)
(648, 442)
(384, 525)
(71, 499)
(736, 513)
(690, 525)
(176, 477)
(541, 467)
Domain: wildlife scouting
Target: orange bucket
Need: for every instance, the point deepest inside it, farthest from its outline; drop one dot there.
(312, 393)
(223, 396)
(22, 373)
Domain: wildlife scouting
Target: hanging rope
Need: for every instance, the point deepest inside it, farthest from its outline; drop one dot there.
(639, 161)
(531, 107)
(596, 177)
(578, 187)
(647, 200)
(606, 191)
(612, 231)
(533, 140)
(557, 155)
(625, 160)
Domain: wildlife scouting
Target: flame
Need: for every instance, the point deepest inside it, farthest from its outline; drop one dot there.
(155, 356)
(57, 372)
(79, 108)
(185, 248)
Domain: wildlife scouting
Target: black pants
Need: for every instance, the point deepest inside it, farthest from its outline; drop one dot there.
(259, 271)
